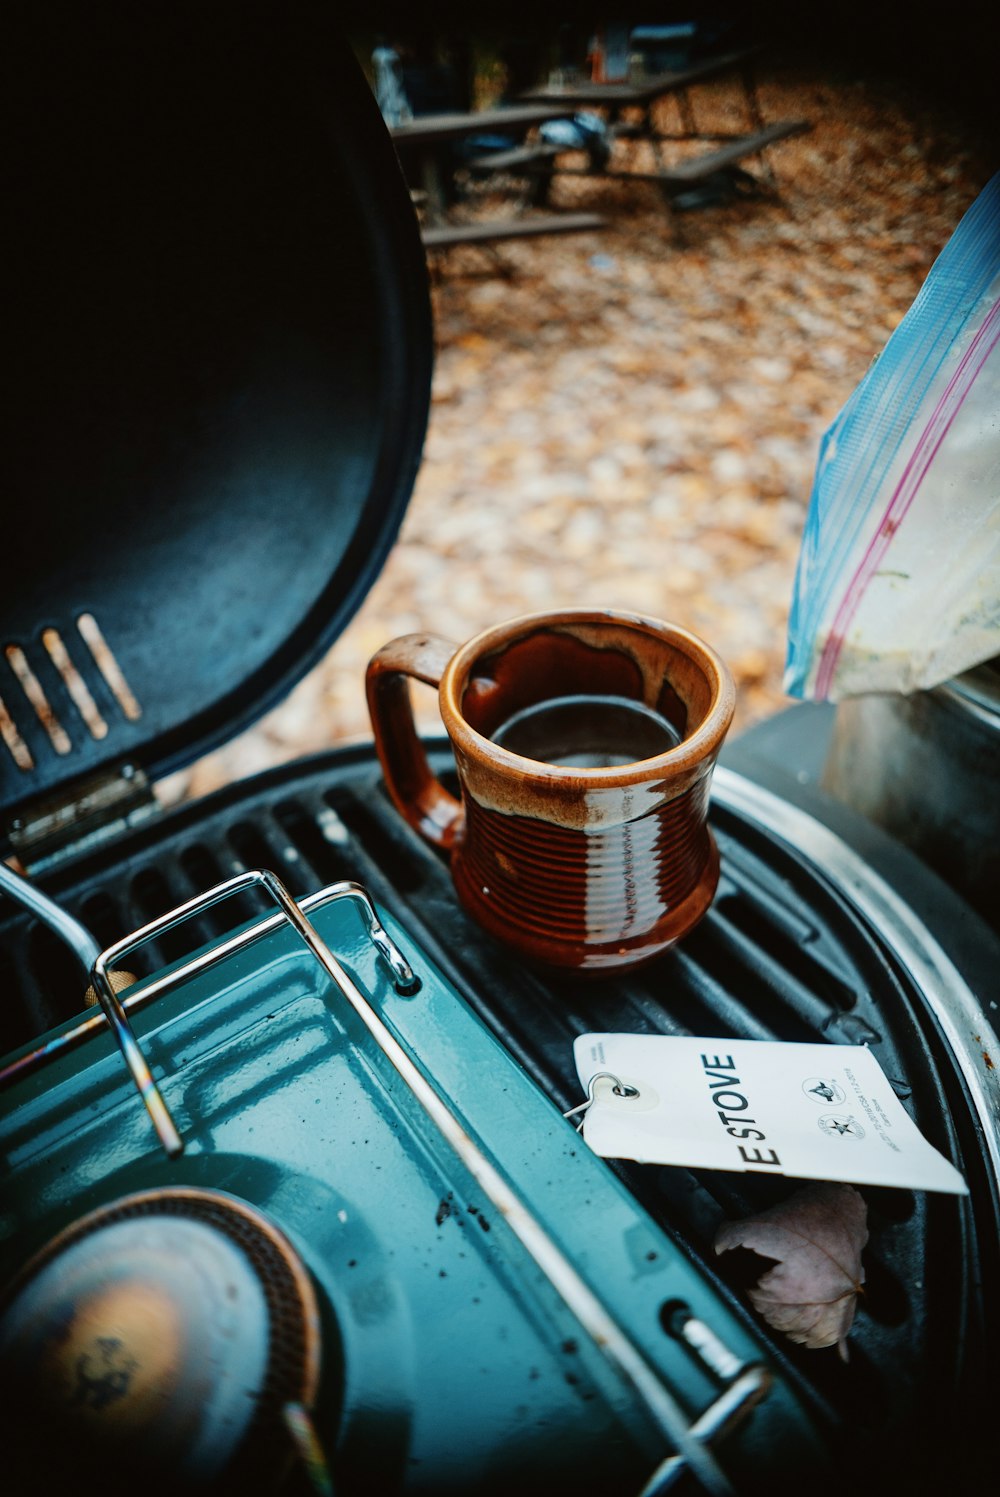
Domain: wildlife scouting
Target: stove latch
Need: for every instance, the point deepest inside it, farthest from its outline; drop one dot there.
(94, 811)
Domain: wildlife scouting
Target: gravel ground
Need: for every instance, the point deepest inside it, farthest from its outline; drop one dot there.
(628, 421)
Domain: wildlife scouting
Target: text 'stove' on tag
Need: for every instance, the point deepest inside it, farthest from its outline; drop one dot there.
(817, 1112)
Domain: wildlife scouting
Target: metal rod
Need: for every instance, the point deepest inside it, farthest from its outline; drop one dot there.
(116, 1015)
(709, 1348)
(69, 930)
(712, 1352)
(68, 1039)
(88, 954)
(152, 1099)
(403, 975)
(737, 1400)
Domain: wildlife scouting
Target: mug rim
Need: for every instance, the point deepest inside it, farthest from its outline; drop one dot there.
(694, 749)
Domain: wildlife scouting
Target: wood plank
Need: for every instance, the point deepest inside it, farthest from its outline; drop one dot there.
(744, 145)
(488, 230)
(629, 95)
(516, 156)
(684, 173)
(428, 129)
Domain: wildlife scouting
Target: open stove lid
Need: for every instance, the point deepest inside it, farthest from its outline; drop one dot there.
(221, 341)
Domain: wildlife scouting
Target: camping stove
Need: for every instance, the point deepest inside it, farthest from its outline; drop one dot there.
(358, 1074)
(296, 1206)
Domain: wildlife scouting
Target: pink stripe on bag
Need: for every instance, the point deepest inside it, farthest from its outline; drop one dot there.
(906, 490)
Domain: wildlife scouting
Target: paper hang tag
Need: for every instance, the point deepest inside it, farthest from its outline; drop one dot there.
(819, 1112)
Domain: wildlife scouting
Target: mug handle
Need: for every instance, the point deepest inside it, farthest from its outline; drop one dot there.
(416, 792)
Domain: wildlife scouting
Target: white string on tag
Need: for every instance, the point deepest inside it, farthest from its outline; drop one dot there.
(619, 1089)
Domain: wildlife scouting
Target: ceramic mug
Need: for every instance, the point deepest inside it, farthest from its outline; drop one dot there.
(584, 743)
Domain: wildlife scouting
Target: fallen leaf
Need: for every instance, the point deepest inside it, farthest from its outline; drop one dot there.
(816, 1238)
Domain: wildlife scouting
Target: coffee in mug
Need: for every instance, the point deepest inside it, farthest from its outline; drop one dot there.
(587, 732)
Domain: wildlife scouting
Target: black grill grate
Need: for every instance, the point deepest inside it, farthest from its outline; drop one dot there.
(780, 955)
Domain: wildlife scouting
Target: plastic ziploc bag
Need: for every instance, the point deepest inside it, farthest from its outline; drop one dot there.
(898, 583)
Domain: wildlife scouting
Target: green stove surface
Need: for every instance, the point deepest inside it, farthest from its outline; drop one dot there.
(451, 1360)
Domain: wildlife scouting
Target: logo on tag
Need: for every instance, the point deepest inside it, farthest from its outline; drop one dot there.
(839, 1126)
(819, 1089)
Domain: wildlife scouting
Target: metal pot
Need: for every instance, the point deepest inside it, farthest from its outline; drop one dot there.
(927, 768)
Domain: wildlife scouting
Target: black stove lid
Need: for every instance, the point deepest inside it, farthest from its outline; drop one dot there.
(221, 350)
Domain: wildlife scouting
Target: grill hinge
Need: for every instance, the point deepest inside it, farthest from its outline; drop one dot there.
(96, 810)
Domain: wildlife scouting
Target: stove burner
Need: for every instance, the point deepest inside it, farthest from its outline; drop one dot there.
(167, 1331)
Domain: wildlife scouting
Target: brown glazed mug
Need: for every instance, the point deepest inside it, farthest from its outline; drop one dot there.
(584, 742)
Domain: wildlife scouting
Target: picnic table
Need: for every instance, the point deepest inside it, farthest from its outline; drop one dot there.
(419, 143)
(629, 108)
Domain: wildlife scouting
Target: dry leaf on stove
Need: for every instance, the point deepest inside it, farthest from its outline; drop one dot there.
(816, 1238)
